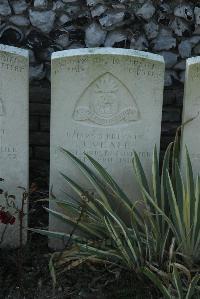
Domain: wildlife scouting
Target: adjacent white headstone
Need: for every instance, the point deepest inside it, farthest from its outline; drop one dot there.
(105, 102)
(13, 140)
(191, 109)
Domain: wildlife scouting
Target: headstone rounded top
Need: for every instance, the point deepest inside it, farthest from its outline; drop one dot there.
(14, 50)
(193, 60)
(105, 51)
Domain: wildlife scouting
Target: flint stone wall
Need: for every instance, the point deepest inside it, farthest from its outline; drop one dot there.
(169, 28)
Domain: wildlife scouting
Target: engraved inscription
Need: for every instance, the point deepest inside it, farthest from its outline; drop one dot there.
(7, 151)
(194, 72)
(106, 147)
(106, 101)
(138, 67)
(11, 62)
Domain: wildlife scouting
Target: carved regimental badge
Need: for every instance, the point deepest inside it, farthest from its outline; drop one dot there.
(106, 101)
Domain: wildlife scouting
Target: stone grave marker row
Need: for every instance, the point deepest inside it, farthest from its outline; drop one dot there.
(191, 110)
(105, 102)
(14, 145)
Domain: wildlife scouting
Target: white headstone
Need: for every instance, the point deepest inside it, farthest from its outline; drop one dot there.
(105, 102)
(191, 109)
(14, 148)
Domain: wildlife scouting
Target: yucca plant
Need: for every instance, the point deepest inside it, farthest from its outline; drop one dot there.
(170, 220)
(179, 283)
(175, 206)
(173, 202)
(108, 238)
(140, 238)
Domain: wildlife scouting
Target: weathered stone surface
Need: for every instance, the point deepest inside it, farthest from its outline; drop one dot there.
(103, 110)
(194, 40)
(93, 2)
(111, 19)
(13, 135)
(19, 6)
(73, 10)
(164, 8)
(191, 107)
(58, 5)
(185, 49)
(164, 41)
(19, 20)
(147, 25)
(98, 10)
(122, 34)
(146, 11)
(5, 8)
(63, 19)
(164, 12)
(43, 20)
(184, 11)
(94, 35)
(70, 1)
(62, 39)
(115, 36)
(197, 30)
(151, 29)
(140, 43)
(40, 3)
(170, 58)
(180, 27)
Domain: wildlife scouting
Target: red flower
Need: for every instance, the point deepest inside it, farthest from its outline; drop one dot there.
(6, 217)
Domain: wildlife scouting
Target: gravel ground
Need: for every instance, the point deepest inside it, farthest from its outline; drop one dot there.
(87, 282)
